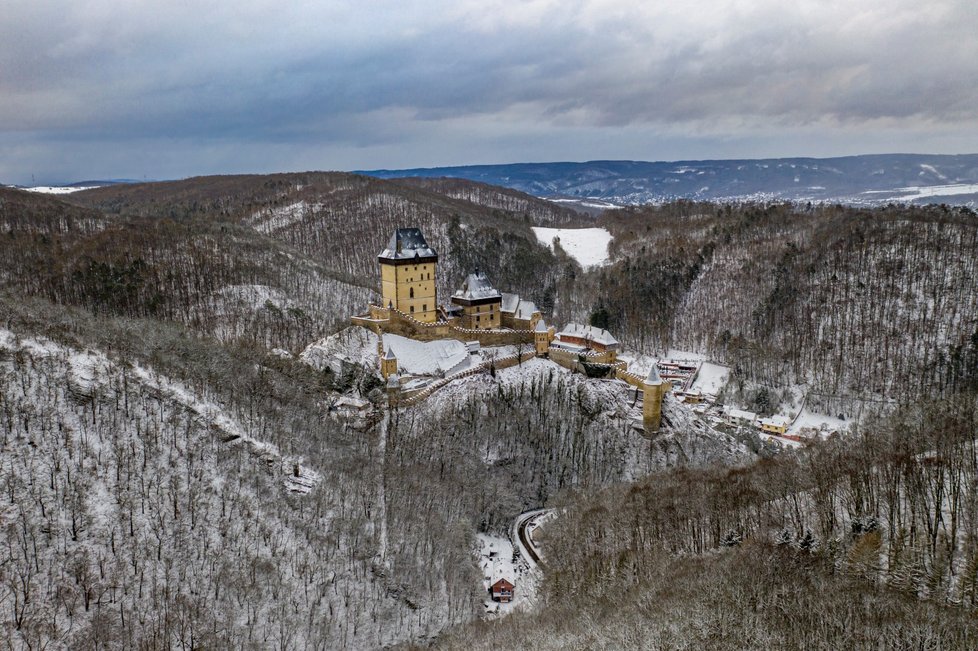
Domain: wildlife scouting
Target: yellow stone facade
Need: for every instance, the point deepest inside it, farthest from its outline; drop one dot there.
(480, 317)
(410, 288)
(653, 391)
(388, 365)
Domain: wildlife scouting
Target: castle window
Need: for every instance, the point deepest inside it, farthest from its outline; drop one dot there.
(412, 309)
(424, 308)
(412, 296)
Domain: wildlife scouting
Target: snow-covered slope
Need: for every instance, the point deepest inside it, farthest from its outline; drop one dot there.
(589, 246)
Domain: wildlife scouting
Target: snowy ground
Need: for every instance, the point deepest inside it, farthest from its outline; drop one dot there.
(711, 378)
(589, 246)
(353, 345)
(684, 355)
(809, 420)
(57, 189)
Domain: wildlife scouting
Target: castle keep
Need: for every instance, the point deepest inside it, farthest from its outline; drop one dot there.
(408, 273)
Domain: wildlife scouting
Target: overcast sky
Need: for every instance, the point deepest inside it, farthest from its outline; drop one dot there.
(175, 88)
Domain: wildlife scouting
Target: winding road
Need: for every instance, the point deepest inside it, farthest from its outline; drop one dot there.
(522, 537)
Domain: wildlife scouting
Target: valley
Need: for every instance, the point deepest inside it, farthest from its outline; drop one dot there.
(199, 450)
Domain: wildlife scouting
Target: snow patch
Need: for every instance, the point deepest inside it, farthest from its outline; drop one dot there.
(60, 189)
(588, 246)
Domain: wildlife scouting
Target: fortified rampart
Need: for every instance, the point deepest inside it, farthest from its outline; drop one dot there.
(382, 320)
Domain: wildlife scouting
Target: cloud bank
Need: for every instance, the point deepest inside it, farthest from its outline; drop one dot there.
(112, 88)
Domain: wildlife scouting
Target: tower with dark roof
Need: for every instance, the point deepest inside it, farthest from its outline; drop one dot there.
(408, 275)
(480, 302)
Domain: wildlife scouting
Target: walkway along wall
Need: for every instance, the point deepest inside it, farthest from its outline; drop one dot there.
(503, 362)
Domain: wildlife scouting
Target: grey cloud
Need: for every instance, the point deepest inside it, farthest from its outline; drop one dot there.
(329, 81)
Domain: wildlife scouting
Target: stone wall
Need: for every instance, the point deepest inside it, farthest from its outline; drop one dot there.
(383, 320)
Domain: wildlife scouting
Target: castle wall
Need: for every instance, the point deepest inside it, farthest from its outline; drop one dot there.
(381, 320)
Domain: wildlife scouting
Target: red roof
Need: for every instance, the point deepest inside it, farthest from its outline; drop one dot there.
(502, 584)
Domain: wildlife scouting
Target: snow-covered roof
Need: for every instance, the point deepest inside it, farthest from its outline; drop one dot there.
(389, 354)
(520, 308)
(427, 358)
(525, 310)
(653, 376)
(742, 415)
(590, 333)
(510, 301)
(541, 326)
(477, 287)
(775, 421)
(407, 244)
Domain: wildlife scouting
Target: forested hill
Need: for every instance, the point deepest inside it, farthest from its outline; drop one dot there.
(340, 222)
(177, 475)
(879, 303)
(859, 180)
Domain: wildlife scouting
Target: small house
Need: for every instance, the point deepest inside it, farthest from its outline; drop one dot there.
(777, 426)
(518, 313)
(739, 417)
(502, 591)
(588, 337)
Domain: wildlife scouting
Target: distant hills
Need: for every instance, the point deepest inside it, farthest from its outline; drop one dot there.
(855, 180)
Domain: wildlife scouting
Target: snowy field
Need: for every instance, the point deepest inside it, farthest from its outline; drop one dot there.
(920, 192)
(810, 420)
(589, 246)
(711, 378)
(55, 189)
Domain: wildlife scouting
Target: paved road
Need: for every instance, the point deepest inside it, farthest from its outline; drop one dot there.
(522, 535)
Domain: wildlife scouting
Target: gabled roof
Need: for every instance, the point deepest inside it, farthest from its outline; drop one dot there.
(407, 244)
(477, 286)
(590, 333)
(518, 307)
(389, 354)
(510, 302)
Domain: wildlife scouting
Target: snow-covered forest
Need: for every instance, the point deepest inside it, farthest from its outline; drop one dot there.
(176, 474)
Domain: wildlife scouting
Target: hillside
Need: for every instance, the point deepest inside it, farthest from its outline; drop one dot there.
(854, 544)
(179, 470)
(875, 303)
(858, 180)
(341, 221)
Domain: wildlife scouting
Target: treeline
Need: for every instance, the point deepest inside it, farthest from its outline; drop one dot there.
(867, 542)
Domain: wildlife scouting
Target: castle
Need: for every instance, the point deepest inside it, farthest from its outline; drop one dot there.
(480, 315)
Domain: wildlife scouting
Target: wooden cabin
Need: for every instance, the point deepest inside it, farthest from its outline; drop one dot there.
(502, 591)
